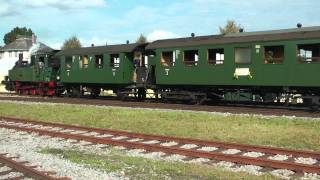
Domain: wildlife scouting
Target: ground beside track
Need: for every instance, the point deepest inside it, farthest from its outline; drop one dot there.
(298, 134)
(80, 161)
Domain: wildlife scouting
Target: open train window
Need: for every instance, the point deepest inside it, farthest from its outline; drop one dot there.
(85, 61)
(215, 56)
(242, 55)
(191, 57)
(68, 62)
(308, 53)
(98, 61)
(273, 54)
(168, 58)
(114, 60)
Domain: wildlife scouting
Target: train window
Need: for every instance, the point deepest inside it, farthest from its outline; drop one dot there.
(215, 56)
(68, 62)
(308, 53)
(191, 57)
(114, 60)
(168, 58)
(273, 54)
(98, 61)
(242, 55)
(85, 61)
(41, 62)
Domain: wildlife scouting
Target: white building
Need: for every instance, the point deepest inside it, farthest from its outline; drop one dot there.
(18, 48)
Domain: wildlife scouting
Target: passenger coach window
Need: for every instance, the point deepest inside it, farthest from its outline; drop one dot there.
(168, 58)
(68, 62)
(215, 56)
(308, 53)
(242, 55)
(98, 61)
(191, 57)
(85, 61)
(273, 54)
(114, 60)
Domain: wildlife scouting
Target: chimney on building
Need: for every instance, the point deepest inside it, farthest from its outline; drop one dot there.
(34, 39)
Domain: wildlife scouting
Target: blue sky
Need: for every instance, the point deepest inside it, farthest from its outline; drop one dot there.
(115, 21)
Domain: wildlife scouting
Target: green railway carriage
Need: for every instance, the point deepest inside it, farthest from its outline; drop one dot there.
(255, 65)
(105, 67)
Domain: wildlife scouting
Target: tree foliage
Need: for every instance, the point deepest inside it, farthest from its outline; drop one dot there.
(15, 32)
(230, 27)
(142, 39)
(72, 42)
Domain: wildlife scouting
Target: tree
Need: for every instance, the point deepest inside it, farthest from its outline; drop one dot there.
(142, 39)
(15, 32)
(231, 27)
(71, 43)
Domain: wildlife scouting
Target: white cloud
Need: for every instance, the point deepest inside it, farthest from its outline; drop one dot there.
(5, 9)
(55, 45)
(160, 34)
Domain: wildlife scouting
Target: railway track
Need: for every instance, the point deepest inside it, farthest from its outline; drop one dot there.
(265, 157)
(16, 170)
(231, 108)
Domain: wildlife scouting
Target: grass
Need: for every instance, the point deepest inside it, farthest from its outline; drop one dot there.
(299, 134)
(141, 168)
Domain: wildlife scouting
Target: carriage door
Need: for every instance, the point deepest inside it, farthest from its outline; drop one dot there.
(140, 68)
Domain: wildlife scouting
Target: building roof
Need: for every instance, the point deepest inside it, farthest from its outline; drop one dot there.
(25, 44)
(274, 35)
(41, 48)
(100, 49)
(21, 44)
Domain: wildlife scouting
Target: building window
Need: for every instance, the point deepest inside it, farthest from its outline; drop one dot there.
(168, 58)
(10, 54)
(215, 56)
(242, 55)
(191, 57)
(68, 62)
(98, 61)
(308, 53)
(114, 60)
(273, 54)
(15, 54)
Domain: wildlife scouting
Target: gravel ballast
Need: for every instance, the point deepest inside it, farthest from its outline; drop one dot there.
(27, 147)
